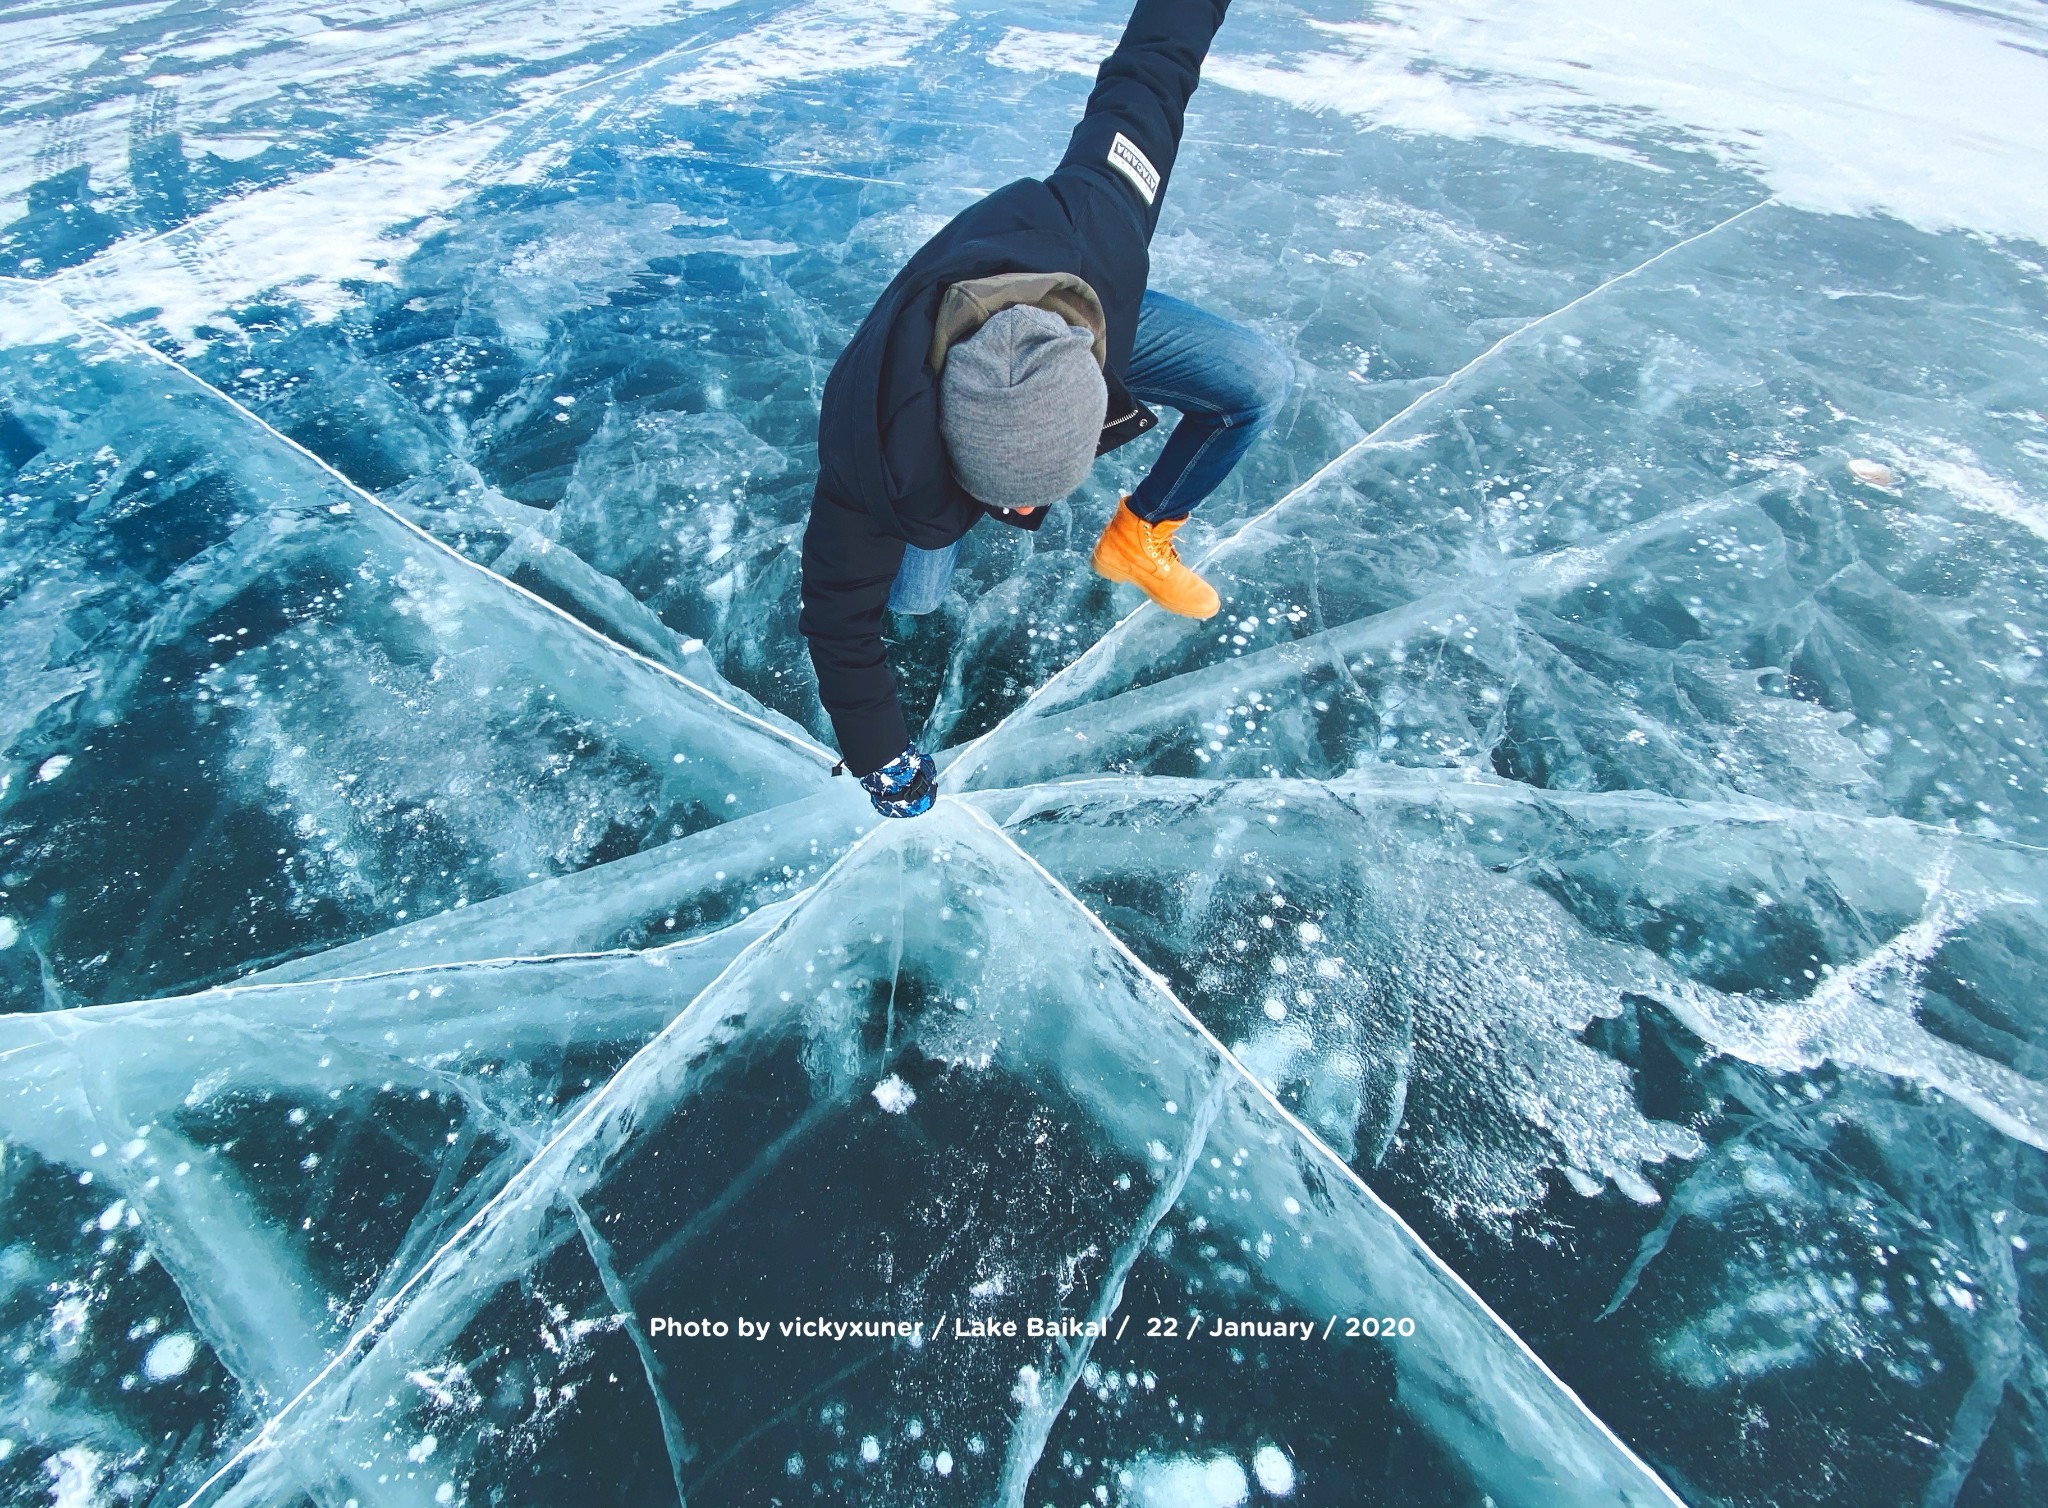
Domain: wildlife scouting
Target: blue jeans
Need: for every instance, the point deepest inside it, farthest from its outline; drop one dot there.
(1229, 384)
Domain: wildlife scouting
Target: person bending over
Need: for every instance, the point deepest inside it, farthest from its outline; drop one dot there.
(1015, 347)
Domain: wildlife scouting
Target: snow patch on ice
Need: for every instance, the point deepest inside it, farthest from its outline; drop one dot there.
(311, 239)
(739, 246)
(1216, 1481)
(894, 1096)
(1959, 474)
(306, 241)
(1932, 115)
(238, 61)
(1025, 51)
(812, 41)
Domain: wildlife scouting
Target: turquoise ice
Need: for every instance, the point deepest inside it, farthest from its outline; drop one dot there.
(1581, 897)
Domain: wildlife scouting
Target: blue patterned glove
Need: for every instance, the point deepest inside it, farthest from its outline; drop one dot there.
(906, 786)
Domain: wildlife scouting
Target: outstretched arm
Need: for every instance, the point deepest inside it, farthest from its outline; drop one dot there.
(848, 567)
(1130, 134)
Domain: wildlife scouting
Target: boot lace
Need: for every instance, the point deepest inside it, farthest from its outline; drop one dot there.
(1159, 545)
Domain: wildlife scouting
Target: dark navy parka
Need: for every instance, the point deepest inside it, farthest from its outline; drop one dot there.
(883, 478)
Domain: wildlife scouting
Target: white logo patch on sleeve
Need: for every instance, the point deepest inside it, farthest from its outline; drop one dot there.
(1125, 157)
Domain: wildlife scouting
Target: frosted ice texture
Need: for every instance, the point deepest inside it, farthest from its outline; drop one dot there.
(1584, 893)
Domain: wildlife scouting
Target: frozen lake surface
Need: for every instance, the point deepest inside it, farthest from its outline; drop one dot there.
(1583, 897)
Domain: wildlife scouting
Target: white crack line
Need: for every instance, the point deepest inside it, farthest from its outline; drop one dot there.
(371, 1328)
(385, 1311)
(142, 347)
(960, 761)
(1344, 1169)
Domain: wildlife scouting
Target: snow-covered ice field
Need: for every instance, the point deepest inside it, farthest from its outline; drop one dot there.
(1583, 897)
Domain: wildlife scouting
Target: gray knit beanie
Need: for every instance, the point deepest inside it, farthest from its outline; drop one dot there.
(1021, 404)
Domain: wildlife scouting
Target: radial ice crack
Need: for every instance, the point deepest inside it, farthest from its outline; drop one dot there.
(1581, 895)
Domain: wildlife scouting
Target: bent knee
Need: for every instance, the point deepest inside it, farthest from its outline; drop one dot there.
(1268, 377)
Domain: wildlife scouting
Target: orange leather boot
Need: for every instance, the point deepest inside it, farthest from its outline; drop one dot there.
(1132, 550)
